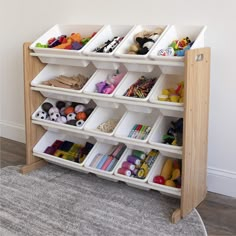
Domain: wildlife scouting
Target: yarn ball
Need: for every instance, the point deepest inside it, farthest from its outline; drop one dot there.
(60, 104)
(69, 110)
(81, 116)
(71, 116)
(53, 110)
(61, 119)
(54, 116)
(79, 108)
(41, 115)
(71, 122)
(79, 123)
(46, 106)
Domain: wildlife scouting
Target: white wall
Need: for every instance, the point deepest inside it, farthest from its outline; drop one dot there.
(26, 20)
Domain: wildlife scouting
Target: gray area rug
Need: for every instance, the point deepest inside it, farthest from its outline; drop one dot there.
(58, 201)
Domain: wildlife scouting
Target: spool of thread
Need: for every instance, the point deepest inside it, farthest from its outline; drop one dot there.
(141, 155)
(124, 171)
(128, 165)
(134, 160)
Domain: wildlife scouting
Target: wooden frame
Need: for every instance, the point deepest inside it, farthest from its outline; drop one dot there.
(195, 136)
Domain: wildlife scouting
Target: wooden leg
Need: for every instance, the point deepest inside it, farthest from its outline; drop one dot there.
(176, 216)
(34, 166)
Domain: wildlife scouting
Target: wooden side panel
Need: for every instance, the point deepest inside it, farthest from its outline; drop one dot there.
(197, 84)
(32, 66)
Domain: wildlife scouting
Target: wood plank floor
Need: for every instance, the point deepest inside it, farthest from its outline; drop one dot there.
(217, 211)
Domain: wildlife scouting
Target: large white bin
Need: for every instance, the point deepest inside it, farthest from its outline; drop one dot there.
(53, 56)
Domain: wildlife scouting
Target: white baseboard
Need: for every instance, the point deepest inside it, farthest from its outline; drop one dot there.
(218, 180)
(221, 181)
(12, 131)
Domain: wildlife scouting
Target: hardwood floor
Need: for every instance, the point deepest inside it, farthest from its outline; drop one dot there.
(217, 211)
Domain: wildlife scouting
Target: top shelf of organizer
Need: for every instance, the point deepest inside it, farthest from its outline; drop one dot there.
(138, 47)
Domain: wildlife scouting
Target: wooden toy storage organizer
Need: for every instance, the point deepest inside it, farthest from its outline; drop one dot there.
(195, 136)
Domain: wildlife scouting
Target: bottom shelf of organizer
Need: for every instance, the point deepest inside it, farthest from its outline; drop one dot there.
(86, 155)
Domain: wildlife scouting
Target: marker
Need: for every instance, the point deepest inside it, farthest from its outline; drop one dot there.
(132, 130)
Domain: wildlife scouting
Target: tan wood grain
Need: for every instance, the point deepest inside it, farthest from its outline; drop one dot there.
(176, 216)
(34, 166)
(32, 99)
(195, 134)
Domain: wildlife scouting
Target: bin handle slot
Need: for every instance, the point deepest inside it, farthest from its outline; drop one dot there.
(199, 57)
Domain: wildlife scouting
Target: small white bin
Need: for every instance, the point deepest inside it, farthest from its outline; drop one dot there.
(107, 33)
(132, 118)
(166, 82)
(176, 32)
(52, 55)
(53, 71)
(156, 170)
(99, 76)
(102, 148)
(130, 79)
(47, 121)
(160, 129)
(125, 44)
(130, 178)
(49, 138)
(101, 115)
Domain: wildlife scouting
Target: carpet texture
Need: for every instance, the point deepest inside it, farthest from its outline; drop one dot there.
(58, 201)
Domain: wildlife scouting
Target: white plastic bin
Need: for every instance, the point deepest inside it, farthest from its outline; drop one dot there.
(100, 76)
(102, 148)
(49, 138)
(156, 170)
(130, 79)
(101, 115)
(125, 44)
(53, 71)
(52, 55)
(176, 32)
(132, 118)
(130, 178)
(47, 121)
(165, 82)
(160, 129)
(107, 33)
